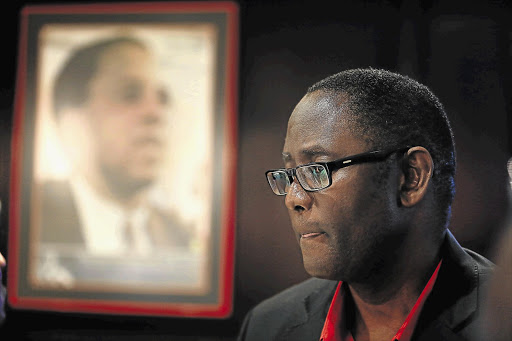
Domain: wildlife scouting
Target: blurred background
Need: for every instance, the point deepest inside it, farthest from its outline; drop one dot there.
(461, 49)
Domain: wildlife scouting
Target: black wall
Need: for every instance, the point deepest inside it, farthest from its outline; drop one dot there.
(461, 49)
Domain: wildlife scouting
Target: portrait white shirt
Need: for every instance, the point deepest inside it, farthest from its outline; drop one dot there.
(104, 223)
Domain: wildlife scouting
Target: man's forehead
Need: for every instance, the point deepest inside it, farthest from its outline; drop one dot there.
(321, 124)
(120, 57)
(318, 105)
(318, 112)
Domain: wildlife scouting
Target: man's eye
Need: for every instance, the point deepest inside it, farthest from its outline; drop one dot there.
(318, 169)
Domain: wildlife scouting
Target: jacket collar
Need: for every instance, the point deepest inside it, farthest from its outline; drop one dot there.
(454, 298)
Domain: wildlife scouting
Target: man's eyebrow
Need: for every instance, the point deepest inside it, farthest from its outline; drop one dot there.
(307, 153)
(314, 151)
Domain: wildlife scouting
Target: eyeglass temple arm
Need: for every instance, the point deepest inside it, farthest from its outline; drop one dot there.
(377, 155)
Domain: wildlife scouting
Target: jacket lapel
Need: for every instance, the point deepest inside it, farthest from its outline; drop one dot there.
(310, 317)
(438, 331)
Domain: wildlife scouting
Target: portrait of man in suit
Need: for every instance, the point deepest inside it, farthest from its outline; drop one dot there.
(101, 224)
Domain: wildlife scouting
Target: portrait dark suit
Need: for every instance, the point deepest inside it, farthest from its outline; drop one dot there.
(450, 313)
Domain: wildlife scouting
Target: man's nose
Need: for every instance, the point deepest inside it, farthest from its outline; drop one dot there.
(153, 109)
(297, 199)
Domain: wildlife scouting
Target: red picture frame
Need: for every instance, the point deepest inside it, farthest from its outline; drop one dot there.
(197, 47)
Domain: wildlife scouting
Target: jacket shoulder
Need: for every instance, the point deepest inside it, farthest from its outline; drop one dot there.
(485, 266)
(59, 218)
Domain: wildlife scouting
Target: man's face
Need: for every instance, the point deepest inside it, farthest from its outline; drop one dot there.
(126, 109)
(347, 230)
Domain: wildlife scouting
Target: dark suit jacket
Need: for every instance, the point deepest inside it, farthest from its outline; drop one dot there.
(450, 312)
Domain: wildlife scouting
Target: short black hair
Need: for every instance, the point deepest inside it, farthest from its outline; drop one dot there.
(393, 110)
(71, 86)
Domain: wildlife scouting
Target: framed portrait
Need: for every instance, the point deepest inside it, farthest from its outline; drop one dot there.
(123, 176)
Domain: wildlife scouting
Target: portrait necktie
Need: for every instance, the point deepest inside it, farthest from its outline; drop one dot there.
(129, 235)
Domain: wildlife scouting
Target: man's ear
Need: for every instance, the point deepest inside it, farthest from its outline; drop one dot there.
(417, 170)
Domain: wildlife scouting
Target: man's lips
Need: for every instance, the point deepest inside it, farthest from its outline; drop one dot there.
(148, 140)
(311, 234)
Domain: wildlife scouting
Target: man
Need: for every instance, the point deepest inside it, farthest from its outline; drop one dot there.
(110, 110)
(368, 182)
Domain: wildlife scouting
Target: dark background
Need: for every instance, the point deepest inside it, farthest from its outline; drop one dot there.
(461, 49)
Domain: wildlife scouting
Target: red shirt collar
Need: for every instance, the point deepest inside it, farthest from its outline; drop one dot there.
(335, 325)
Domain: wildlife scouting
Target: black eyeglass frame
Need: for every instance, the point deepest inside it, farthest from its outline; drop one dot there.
(331, 166)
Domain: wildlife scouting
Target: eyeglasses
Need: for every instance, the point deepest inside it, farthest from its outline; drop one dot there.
(318, 175)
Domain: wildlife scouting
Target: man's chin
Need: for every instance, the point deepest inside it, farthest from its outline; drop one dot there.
(321, 270)
(130, 188)
(126, 185)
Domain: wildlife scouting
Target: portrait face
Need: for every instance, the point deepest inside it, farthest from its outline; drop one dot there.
(125, 112)
(349, 229)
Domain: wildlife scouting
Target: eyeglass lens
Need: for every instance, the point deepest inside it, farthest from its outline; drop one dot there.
(278, 181)
(311, 178)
